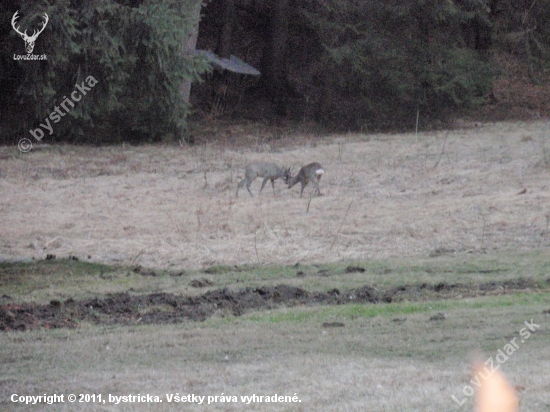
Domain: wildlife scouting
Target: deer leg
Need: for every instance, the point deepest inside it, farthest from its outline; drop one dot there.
(318, 181)
(273, 185)
(263, 184)
(241, 184)
(317, 187)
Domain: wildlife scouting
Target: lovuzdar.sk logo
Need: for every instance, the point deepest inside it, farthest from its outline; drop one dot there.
(29, 40)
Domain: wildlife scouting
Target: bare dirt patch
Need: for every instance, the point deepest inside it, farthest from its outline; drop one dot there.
(162, 308)
(482, 188)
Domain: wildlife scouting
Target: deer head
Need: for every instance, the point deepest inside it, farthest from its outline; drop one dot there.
(29, 40)
(287, 174)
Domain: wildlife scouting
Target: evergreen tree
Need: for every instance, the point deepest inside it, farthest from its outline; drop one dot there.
(133, 49)
(390, 58)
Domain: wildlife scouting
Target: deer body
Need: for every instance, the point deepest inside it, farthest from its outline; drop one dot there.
(309, 173)
(269, 171)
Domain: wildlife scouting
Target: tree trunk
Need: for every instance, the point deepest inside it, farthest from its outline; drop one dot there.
(273, 63)
(224, 41)
(189, 42)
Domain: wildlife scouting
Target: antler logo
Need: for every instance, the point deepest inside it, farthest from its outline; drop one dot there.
(29, 40)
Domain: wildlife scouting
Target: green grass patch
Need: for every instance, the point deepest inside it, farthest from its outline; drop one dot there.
(42, 281)
(21, 279)
(355, 311)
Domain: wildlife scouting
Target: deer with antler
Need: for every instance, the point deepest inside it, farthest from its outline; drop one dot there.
(29, 40)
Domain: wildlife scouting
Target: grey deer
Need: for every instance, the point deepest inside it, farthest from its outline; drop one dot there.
(309, 173)
(269, 171)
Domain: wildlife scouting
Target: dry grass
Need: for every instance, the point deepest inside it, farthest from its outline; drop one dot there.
(388, 199)
(385, 358)
(175, 207)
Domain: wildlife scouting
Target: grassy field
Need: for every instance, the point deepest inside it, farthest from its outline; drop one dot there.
(424, 253)
(409, 355)
(384, 196)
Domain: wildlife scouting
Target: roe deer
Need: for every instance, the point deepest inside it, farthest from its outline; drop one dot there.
(309, 173)
(269, 171)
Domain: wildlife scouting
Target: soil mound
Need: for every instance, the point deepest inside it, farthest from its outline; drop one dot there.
(124, 308)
